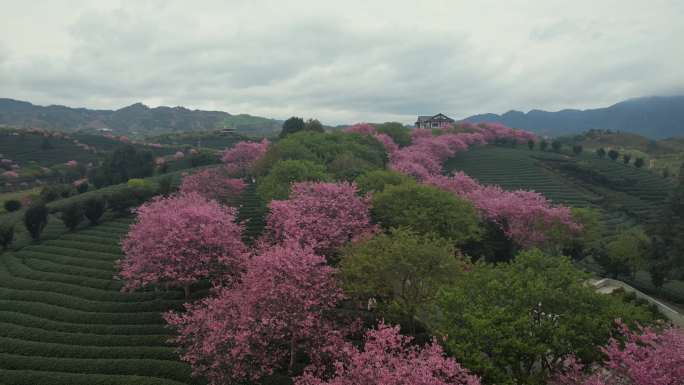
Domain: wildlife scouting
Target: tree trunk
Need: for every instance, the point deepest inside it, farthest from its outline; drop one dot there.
(186, 289)
(292, 354)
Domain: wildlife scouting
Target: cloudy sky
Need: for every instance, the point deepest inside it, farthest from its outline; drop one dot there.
(342, 61)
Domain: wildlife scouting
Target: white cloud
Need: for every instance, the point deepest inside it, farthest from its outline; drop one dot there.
(341, 61)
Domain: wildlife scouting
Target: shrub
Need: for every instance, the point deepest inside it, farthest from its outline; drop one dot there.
(93, 209)
(35, 219)
(530, 144)
(166, 186)
(556, 145)
(6, 235)
(426, 209)
(626, 158)
(601, 152)
(121, 201)
(577, 149)
(12, 205)
(72, 216)
(639, 162)
(49, 193)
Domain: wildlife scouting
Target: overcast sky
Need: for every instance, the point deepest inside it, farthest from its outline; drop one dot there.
(342, 61)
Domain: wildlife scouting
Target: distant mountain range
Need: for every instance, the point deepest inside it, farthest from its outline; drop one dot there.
(654, 117)
(135, 120)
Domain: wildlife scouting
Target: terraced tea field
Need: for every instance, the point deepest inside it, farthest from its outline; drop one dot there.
(638, 197)
(64, 321)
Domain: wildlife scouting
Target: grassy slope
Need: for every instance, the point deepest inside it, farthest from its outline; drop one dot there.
(64, 321)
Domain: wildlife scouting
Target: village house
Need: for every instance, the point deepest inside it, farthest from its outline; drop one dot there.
(436, 121)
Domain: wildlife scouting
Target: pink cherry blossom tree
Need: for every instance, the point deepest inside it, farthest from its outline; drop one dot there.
(369, 129)
(256, 327)
(179, 240)
(243, 156)
(641, 357)
(388, 358)
(320, 215)
(526, 217)
(214, 183)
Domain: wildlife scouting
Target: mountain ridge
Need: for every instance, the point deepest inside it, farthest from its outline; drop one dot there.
(655, 117)
(136, 119)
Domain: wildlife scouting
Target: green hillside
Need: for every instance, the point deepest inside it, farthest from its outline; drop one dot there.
(63, 319)
(625, 194)
(211, 139)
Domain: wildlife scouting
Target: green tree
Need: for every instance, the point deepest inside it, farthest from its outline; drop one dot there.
(543, 145)
(400, 134)
(577, 149)
(376, 180)
(514, 323)
(93, 208)
(402, 270)
(426, 209)
(578, 245)
(626, 254)
(601, 152)
(313, 125)
(556, 145)
(671, 228)
(613, 154)
(35, 219)
(123, 164)
(626, 158)
(276, 185)
(6, 234)
(292, 125)
(348, 167)
(639, 162)
(530, 144)
(72, 216)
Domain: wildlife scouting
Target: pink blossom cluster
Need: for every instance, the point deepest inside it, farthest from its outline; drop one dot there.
(178, 240)
(320, 215)
(368, 129)
(10, 174)
(214, 183)
(178, 155)
(646, 357)
(72, 163)
(390, 358)
(240, 159)
(524, 216)
(274, 312)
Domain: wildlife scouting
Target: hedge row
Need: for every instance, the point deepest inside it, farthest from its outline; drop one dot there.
(144, 367)
(16, 268)
(21, 282)
(33, 377)
(59, 313)
(79, 262)
(74, 303)
(54, 267)
(26, 333)
(49, 349)
(36, 321)
(88, 246)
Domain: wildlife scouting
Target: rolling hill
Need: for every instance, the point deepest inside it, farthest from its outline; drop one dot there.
(654, 117)
(136, 120)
